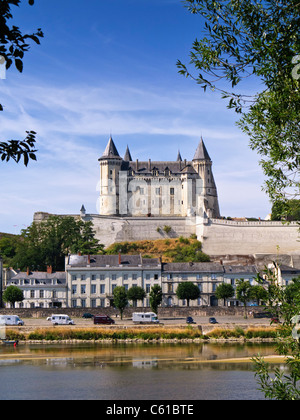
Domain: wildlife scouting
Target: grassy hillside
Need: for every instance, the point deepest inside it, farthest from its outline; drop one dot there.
(7, 235)
(169, 250)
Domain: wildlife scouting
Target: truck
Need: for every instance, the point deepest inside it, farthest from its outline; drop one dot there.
(61, 320)
(10, 320)
(144, 318)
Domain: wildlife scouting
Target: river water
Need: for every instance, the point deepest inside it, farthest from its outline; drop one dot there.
(205, 371)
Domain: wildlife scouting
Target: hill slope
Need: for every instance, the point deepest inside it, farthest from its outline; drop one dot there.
(169, 250)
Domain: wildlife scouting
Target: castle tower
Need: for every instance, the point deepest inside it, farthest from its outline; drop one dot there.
(203, 166)
(110, 165)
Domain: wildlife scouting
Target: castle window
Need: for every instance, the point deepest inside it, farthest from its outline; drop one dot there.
(155, 172)
(171, 191)
(157, 191)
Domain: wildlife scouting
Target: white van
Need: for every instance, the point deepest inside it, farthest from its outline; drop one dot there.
(10, 320)
(61, 320)
(145, 318)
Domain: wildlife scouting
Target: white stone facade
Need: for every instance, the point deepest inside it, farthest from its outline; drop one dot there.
(89, 281)
(168, 188)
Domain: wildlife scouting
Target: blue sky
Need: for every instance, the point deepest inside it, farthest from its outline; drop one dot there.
(109, 67)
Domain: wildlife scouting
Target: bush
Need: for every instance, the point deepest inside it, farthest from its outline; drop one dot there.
(167, 229)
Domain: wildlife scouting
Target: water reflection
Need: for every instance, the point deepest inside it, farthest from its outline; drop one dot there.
(130, 371)
(135, 355)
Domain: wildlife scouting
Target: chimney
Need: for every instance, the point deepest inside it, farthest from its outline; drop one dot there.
(89, 259)
(137, 165)
(149, 165)
(49, 269)
(28, 271)
(119, 258)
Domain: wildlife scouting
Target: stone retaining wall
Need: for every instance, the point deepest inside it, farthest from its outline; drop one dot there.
(162, 312)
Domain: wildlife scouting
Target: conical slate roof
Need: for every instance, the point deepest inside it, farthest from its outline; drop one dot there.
(110, 151)
(201, 152)
(127, 156)
(179, 158)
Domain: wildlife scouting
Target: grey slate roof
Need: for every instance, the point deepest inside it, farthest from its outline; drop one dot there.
(201, 152)
(127, 156)
(112, 261)
(110, 151)
(240, 269)
(179, 158)
(187, 267)
(144, 168)
(60, 276)
(285, 269)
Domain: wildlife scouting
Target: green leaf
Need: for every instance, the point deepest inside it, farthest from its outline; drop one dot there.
(19, 64)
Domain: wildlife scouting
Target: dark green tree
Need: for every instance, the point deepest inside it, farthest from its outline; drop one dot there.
(243, 293)
(224, 291)
(188, 291)
(155, 297)
(48, 242)
(259, 293)
(12, 294)
(136, 293)
(13, 45)
(120, 299)
(259, 40)
(278, 383)
(286, 210)
(8, 246)
(190, 252)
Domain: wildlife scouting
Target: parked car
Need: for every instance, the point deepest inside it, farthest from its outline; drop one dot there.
(212, 320)
(189, 320)
(87, 315)
(103, 319)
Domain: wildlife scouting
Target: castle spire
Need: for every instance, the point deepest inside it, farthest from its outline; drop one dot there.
(127, 156)
(179, 158)
(201, 152)
(110, 150)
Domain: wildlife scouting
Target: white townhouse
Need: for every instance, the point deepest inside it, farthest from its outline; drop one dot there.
(207, 276)
(233, 273)
(91, 279)
(41, 289)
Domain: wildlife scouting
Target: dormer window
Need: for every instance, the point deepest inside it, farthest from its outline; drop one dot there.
(167, 172)
(155, 172)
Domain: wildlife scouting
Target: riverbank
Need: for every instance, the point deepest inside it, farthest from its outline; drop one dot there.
(144, 333)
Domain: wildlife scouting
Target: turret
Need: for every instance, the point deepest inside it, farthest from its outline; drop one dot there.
(203, 166)
(110, 165)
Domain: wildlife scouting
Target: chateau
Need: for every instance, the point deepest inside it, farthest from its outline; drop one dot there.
(171, 188)
(154, 199)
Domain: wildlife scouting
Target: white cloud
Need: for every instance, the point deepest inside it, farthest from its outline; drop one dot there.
(73, 124)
